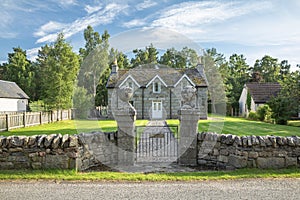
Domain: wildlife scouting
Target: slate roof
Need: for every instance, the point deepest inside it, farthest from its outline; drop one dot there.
(11, 90)
(263, 92)
(144, 74)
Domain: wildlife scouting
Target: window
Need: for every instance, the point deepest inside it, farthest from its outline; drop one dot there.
(156, 87)
(130, 84)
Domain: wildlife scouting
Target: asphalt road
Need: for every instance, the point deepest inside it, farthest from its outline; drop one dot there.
(238, 189)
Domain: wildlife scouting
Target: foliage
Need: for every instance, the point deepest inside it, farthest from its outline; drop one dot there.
(237, 75)
(282, 109)
(216, 87)
(149, 55)
(20, 70)
(248, 100)
(185, 58)
(268, 69)
(252, 115)
(264, 113)
(286, 104)
(94, 69)
(81, 102)
(59, 66)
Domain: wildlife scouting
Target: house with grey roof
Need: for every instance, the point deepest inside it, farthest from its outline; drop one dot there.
(157, 89)
(12, 97)
(260, 94)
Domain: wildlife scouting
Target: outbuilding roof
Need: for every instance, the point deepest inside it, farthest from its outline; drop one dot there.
(263, 92)
(11, 90)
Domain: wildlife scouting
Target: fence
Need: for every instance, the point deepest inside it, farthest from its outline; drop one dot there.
(14, 120)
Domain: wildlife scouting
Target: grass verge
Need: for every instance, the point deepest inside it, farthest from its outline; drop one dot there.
(72, 175)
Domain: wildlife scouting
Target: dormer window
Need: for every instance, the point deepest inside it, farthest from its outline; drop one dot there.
(130, 84)
(156, 87)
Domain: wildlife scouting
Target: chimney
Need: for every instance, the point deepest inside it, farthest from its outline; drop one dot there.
(114, 66)
(200, 66)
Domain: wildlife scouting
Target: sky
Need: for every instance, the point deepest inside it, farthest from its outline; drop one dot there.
(253, 28)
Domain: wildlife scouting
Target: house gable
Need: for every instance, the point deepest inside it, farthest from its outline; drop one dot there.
(186, 77)
(129, 77)
(154, 78)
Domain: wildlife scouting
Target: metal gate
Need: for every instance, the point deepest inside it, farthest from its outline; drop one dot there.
(156, 143)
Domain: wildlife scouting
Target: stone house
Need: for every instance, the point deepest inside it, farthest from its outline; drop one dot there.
(260, 94)
(12, 97)
(157, 89)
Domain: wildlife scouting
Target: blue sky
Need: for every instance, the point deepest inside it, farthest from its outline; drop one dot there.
(253, 28)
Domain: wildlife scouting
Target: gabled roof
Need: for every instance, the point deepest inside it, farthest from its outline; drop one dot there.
(11, 90)
(263, 92)
(147, 73)
(157, 77)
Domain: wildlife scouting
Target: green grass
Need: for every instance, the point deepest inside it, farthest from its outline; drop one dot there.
(240, 126)
(72, 175)
(294, 123)
(230, 125)
(69, 127)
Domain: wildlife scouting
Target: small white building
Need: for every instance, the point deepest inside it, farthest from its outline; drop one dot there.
(12, 97)
(260, 94)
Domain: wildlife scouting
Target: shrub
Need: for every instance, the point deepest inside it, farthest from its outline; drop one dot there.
(264, 113)
(252, 115)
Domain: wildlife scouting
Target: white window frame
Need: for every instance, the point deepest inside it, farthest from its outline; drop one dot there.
(158, 87)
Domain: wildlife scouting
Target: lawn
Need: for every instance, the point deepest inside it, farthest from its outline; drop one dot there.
(72, 175)
(240, 126)
(228, 125)
(69, 127)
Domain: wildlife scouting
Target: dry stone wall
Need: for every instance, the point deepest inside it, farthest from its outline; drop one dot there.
(232, 152)
(38, 152)
(88, 150)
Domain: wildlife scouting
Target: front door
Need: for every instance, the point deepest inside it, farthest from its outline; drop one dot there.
(156, 110)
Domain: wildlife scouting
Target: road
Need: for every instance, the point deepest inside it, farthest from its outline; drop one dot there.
(237, 189)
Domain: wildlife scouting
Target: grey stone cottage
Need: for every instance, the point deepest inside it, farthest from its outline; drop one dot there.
(157, 89)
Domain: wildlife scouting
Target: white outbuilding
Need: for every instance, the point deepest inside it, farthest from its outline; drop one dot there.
(12, 97)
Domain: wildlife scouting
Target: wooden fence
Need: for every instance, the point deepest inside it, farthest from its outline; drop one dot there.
(10, 121)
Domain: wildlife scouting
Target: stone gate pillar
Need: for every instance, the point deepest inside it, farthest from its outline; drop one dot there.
(189, 115)
(125, 115)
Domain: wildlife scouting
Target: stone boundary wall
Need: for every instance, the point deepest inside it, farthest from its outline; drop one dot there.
(220, 151)
(56, 151)
(39, 152)
(98, 149)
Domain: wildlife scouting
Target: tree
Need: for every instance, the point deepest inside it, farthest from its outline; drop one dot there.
(19, 69)
(94, 70)
(59, 69)
(268, 67)
(185, 58)
(149, 55)
(286, 104)
(123, 61)
(213, 61)
(236, 76)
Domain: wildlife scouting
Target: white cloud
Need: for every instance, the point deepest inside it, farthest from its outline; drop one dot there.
(134, 23)
(91, 9)
(49, 27)
(66, 3)
(103, 16)
(146, 4)
(192, 14)
(32, 53)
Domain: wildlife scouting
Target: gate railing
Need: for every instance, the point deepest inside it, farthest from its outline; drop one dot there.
(156, 143)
